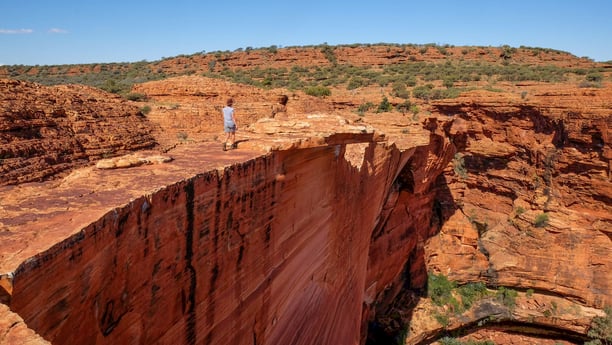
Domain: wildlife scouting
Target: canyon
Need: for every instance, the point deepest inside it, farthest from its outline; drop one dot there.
(324, 226)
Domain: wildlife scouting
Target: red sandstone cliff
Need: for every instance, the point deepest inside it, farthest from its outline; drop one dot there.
(47, 130)
(519, 159)
(271, 250)
(319, 224)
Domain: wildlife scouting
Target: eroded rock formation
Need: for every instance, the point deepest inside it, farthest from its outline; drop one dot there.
(323, 226)
(47, 130)
(271, 250)
(528, 205)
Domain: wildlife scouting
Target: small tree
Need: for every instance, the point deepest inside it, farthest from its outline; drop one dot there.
(423, 92)
(601, 329)
(384, 106)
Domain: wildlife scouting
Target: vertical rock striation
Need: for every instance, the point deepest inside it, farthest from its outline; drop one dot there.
(290, 247)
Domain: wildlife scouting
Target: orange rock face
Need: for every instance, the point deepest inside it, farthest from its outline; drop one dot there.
(13, 331)
(48, 130)
(319, 228)
(272, 250)
(530, 196)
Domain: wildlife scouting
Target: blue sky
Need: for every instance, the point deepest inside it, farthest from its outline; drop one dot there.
(37, 32)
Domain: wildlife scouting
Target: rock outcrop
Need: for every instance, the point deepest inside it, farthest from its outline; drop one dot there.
(323, 226)
(528, 203)
(269, 250)
(48, 130)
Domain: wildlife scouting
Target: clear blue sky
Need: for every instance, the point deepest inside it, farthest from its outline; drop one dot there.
(48, 32)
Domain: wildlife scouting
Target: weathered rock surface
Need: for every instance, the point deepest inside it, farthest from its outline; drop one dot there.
(13, 331)
(244, 246)
(187, 109)
(47, 130)
(520, 159)
(321, 221)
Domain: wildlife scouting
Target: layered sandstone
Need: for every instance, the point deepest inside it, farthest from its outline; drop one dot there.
(522, 157)
(48, 130)
(267, 249)
(323, 225)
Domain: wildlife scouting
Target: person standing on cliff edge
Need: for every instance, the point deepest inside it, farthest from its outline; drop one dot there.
(229, 125)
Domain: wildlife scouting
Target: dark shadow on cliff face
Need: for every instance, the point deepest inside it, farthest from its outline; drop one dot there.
(394, 309)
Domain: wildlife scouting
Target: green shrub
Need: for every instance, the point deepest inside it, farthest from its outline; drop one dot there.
(365, 107)
(318, 91)
(328, 51)
(507, 296)
(448, 82)
(439, 289)
(471, 292)
(384, 106)
(145, 110)
(455, 341)
(423, 91)
(404, 107)
(399, 90)
(594, 77)
(137, 97)
(541, 220)
(354, 83)
(459, 165)
(601, 328)
(443, 319)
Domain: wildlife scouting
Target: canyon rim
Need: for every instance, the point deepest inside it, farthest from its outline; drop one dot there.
(329, 224)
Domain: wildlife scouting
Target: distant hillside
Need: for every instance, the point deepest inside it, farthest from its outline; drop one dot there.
(349, 66)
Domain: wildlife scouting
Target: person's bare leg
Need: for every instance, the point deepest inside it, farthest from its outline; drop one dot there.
(227, 137)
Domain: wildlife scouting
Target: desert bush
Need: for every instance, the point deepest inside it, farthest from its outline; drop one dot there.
(455, 341)
(439, 289)
(145, 110)
(404, 107)
(399, 90)
(329, 54)
(354, 83)
(365, 107)
(384, 106)
(318, 91)
(448, 82)
(459, 165)
(507, 296)
(594, 77)
(541, 220)
(471, 292)
(137, 97)
(601, 329)
(423, 91)
(589, 84)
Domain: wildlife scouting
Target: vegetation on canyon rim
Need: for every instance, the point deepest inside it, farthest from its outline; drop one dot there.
(421, 79)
